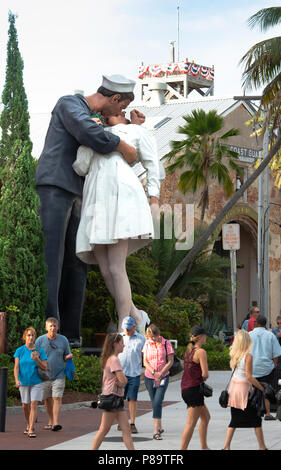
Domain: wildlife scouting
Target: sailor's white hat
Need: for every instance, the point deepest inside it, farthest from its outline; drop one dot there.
(118, 83)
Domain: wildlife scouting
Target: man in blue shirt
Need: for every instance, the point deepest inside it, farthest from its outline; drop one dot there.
(265, 352)
(131, 361)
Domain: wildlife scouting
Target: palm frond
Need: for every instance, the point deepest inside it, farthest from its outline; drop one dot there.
(265, 18)
(262, 63)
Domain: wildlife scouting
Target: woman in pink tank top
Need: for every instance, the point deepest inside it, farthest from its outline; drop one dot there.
(114, 381)
(195, 373)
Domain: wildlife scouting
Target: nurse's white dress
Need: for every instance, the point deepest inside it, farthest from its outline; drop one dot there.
(115, 204)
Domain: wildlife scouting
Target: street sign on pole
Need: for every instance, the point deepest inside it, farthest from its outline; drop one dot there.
(231, 236)
(231, 242)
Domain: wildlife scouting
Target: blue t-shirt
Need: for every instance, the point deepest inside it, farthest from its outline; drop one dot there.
(265, 348)
(56, 350)
(28, 368)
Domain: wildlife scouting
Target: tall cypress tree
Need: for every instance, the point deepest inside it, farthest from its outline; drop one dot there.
(14, 119)
(22, 266)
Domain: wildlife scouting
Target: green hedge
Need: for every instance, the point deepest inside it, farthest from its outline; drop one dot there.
(88, 373)
(217, 354)
(175, 316)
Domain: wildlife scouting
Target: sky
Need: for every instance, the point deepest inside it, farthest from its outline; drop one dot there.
(67, 45)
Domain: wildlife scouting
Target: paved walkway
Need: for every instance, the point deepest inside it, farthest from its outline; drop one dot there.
(80, 422)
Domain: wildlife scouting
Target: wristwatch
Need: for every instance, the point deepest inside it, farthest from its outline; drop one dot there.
(153, 372)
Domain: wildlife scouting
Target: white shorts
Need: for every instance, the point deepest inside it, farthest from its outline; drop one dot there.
(30, 393)
(53, 388)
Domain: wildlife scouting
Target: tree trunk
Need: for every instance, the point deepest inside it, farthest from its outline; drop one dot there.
(212, 227)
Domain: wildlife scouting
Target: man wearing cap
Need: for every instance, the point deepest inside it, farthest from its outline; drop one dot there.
(131, 361)
(60, 190)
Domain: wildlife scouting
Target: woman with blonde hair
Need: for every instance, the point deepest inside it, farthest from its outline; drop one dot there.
(27, 360)
(195, 373)
(113, 382)
(242, 381)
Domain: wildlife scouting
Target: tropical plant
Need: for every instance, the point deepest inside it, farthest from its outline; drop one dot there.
(204, 155)
(204, 280)
(262, 69)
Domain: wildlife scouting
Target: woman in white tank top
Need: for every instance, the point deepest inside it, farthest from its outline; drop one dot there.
(242, 415)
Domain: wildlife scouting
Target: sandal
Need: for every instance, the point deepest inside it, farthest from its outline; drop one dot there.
(48, 426)
(157, 437)
(160, 431)
(31, 434)
(26, 431)
(56, 427)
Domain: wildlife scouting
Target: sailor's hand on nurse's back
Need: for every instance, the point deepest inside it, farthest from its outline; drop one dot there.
(129, 153)
(137, 117)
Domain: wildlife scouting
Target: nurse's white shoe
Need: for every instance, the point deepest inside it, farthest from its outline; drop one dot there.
(145, 320)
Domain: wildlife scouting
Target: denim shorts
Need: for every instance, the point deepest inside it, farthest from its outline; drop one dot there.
(132, 388)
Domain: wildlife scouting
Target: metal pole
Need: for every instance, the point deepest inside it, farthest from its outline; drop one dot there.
(233, 287)
(3, 396)
(259, 248)
(265, 224)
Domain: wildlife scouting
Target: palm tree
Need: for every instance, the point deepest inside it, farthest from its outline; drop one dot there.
(202, 152)
(263, 61)
(263, 67)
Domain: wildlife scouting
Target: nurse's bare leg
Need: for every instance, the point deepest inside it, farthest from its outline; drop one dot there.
(112, 263)
(101, 254)
(117, 255)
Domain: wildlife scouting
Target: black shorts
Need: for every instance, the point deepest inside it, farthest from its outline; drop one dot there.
(193, 396)
(268, 379)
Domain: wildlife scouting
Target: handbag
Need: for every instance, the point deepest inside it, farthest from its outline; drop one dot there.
(206, 389)
(223, 398)
(110, 402)
(44, 374)
(176, 368)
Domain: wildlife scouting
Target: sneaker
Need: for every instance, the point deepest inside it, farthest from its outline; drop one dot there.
(133, 428)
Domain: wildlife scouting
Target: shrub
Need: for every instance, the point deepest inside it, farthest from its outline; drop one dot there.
(217, 354)
(174, 316)
(88, 373)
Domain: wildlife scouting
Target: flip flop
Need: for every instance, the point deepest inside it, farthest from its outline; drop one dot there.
(31, 434)
(57, 427)
(26, 431)
(157, 437)
(48, 426)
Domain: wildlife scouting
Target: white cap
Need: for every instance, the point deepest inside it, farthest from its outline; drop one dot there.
(118, 83)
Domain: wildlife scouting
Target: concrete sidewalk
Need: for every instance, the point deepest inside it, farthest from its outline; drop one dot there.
(174, 419)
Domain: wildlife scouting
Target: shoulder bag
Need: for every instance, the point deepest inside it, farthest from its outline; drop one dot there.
(43, 374)
(176, 368)
(223, 399)
(110, 402)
